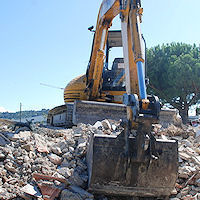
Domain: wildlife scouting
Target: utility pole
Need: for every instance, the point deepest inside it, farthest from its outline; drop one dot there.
(20, 112)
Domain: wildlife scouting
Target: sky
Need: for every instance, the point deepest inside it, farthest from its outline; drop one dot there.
(47, 41)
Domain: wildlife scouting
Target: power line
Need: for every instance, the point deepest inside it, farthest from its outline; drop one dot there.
(52, 86)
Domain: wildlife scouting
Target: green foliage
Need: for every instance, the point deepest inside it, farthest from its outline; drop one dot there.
(174, 73)
(25, 114)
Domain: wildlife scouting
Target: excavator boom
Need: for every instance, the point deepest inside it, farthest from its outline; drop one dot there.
(108, 10)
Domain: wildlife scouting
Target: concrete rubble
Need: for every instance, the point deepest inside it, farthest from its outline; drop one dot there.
(187, 186)
(50, 163)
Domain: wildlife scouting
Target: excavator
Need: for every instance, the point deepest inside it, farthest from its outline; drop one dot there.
(133, 163)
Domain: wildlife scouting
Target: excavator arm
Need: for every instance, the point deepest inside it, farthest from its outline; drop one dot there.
(142, 166)
(136, 99)
(108, 10)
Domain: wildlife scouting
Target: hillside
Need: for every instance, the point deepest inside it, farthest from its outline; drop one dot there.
(24, 114)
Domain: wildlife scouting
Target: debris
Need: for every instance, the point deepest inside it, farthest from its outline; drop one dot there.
(49, 192)
(69, 195)
(22, 136)
(28, 147)
(2, 141)
(84, 194)
(31, 190)
(48, 188)
(56, 150)
(54, 161)
(65, 171)
(5, 138)
(189, 159)
(38, 177)
(9, 166)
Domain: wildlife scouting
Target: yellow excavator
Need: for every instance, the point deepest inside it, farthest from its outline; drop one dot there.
(132, 163)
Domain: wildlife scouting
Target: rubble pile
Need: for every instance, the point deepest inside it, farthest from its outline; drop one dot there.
(188, 182)
(56, 153)
(51, 162)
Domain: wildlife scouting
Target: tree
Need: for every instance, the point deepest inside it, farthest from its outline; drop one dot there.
(174, 73)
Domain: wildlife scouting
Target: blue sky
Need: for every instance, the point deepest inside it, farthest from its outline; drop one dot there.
(47, 41)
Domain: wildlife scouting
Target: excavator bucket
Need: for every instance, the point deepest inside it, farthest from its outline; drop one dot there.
(115, 171)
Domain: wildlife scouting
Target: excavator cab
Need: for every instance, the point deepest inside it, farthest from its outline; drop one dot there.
(114, 79)
(113, 76)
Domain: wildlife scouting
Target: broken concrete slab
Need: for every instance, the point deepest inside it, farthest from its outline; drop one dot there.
(83, 193)
(31, 190)
(55, 159)
(69, 195)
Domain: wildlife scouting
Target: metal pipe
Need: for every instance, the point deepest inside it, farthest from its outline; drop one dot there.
(103, 37)
(145, 49)
(141, 80)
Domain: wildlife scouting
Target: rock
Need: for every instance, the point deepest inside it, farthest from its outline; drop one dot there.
(98, 125)
(198, 182)
(82, 145)
(2, 156)
(4, 194)
(197, 196)
(83, 193)
(81, 164)
(71, 149)
(48, 189)
(189, 197)
(184, 156)
(69, 195)
(22, 129)
(56, 150)
(28, 147)
(68, 156)
(55, 159)
(26, 159)
(65, 171)
(23, 135)
(65, 163)
(106, 124)
(3, 142)
(10, 167)
(76, 179)
(186, 171)
(185, 191)
(41, 144)
(32, 190)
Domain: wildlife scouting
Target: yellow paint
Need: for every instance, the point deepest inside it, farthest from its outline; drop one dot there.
(75, 89)
(107, 12)
(145, 104)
